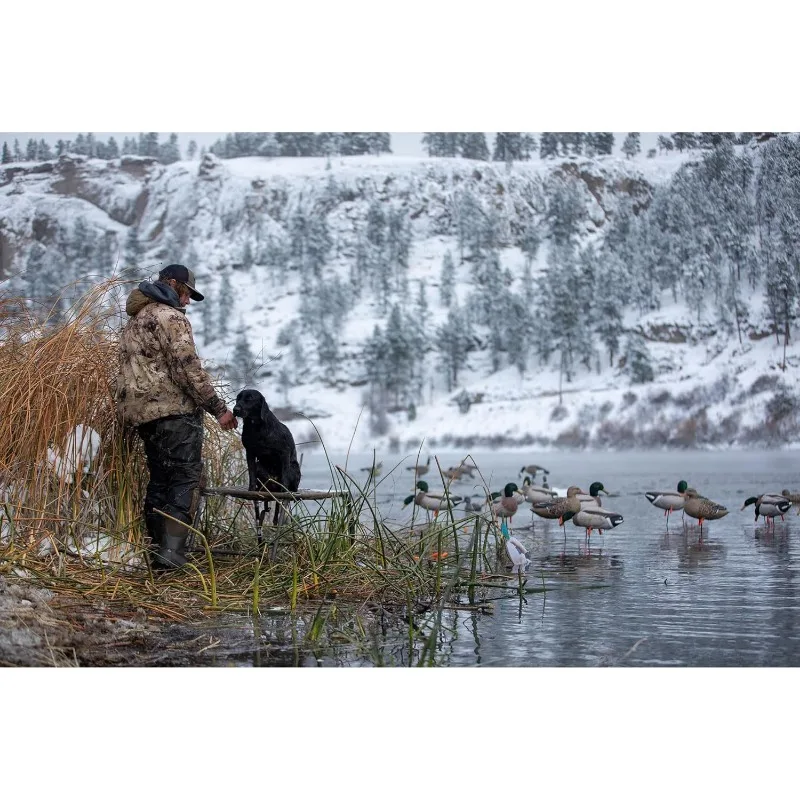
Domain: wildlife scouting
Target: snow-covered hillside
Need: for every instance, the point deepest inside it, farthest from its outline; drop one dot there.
(232, 220)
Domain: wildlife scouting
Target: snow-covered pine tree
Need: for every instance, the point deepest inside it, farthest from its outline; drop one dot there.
(433, 144)
(134, 252)
(169, 152)
(244, 364)
(191, 149)
(452, 342)
(638, 362)
(31, 150)
(6, 157)
(604, 143)
(684, 141)
(548, 145)
(447, 280)
(632, 146)
(474, 146)
(225, 304)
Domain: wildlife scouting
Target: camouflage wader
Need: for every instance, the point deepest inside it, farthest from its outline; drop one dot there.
(173, 446)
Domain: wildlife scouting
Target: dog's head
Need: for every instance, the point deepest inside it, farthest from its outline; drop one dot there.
(250, 404)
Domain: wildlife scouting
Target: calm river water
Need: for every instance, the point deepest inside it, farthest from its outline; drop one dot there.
(666, 599)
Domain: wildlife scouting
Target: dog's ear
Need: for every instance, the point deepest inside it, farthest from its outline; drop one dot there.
(264, 411)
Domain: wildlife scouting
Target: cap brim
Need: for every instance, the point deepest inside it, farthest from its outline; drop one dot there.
(195, 295)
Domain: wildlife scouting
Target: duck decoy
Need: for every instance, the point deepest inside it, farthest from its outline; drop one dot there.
(560, 508)
(421, 469)
(596, 517)
(431, 502)
(768, 506)
(701, 508)
(669, 501)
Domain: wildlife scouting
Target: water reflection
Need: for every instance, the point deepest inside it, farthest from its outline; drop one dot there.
(649, 592)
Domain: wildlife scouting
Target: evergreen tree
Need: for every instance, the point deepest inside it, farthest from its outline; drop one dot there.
(6, 157)
(17, 151)
(226, 304)
(318, 244)
(433, 143)
(638, 364)
(169, 152)
(683, 141)
(422, 302)
(205, 312)
(31, 150)
(632, 145)
(452, 342)
(474, 147)
(45, 153)
(191, 150)
(244, 361)
(548, 145)
(665, 144)
(530, 241)
(134, 252)
(604, 143)
(566, 210)
(112, 148)
(447, 280)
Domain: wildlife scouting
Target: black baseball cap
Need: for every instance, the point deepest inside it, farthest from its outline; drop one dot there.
(182, 274)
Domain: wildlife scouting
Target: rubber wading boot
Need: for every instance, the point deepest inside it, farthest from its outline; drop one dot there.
(172, 552)
(154, 523)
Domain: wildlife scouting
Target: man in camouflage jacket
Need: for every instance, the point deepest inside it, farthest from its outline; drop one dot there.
(163, 390)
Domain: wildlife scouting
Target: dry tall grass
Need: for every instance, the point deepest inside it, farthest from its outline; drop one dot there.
(79, 530)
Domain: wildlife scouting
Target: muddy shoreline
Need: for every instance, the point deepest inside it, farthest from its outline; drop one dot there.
(39, 628)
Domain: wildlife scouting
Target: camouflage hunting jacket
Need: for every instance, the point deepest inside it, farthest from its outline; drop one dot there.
(160, 373)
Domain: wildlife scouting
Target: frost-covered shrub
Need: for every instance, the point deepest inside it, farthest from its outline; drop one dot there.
(574, 436)
(764, 383)
(628, 399)
(605, 409)
(559, 413)
(660, 398)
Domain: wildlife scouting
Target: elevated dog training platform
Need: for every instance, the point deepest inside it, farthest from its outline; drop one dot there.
(246, 494)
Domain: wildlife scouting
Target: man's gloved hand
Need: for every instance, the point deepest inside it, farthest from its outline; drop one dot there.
(227, 421)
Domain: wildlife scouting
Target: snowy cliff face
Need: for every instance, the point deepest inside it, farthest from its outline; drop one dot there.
(299, 261)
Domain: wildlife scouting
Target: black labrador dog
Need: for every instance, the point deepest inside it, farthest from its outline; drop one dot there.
(269, 445)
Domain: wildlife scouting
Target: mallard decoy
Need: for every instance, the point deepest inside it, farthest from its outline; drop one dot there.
(701, 508)
(596, 517)
(473, 506)
(532, 469)
(431, 502)
(560, 508)
(421, 469)
(669, 501)
(536, 494)
(593, 498)
(507, 504)
(768, 506)
(374, 470)
(793, 497)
